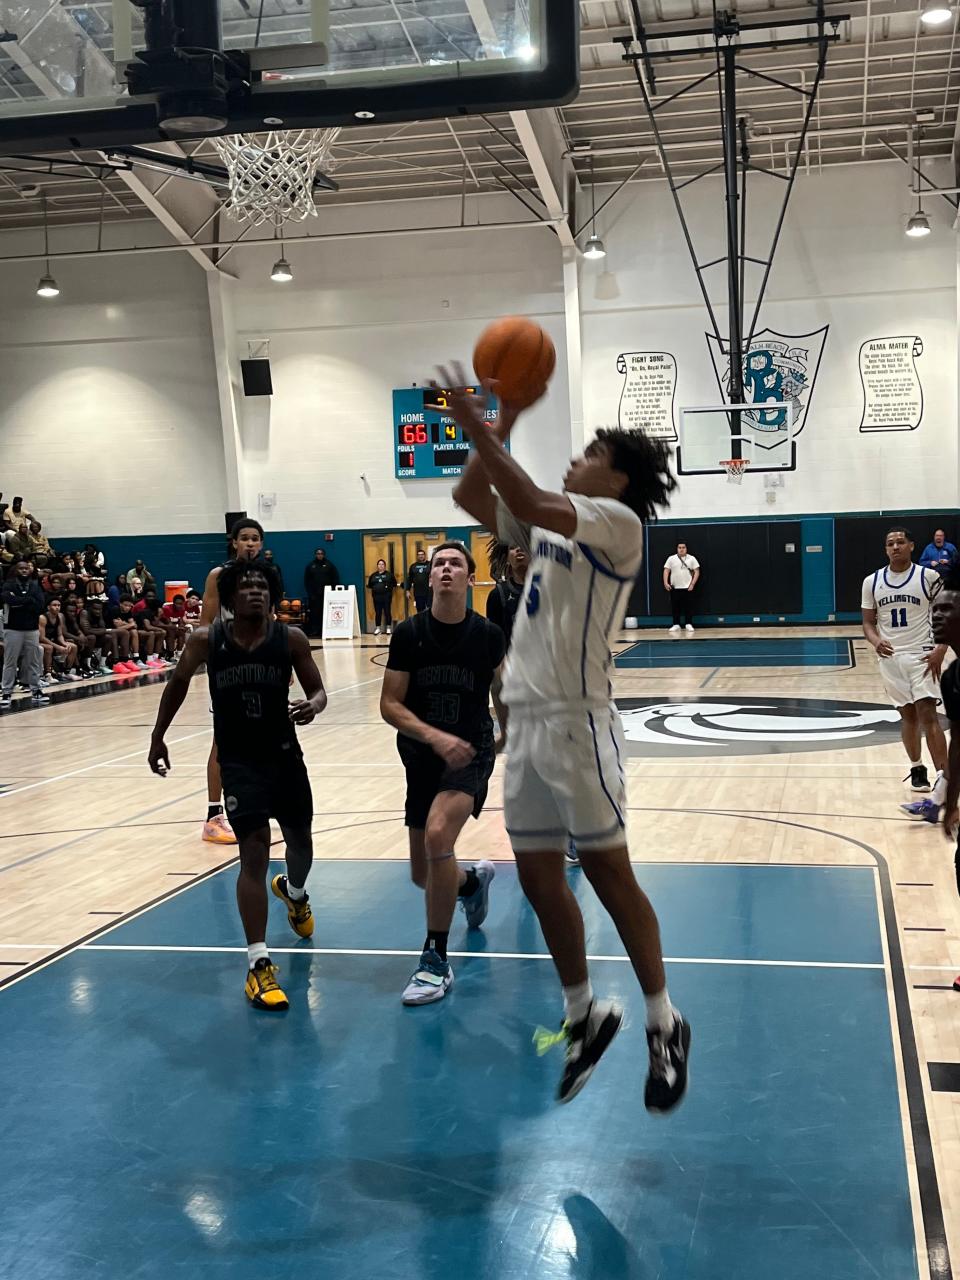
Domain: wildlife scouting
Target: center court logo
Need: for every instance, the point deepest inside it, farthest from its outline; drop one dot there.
(752, 726)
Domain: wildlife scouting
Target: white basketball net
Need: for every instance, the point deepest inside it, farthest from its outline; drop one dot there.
(272, 175)
(735, 467)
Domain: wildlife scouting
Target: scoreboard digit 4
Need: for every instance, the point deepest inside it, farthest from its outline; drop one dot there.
(427, 442)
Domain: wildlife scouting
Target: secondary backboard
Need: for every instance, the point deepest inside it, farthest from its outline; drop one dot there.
(763, 434)
(301, 63)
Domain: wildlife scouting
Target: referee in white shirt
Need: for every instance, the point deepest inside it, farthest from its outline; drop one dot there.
(681, 572)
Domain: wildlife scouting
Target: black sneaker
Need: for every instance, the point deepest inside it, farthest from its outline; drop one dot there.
(667, 1079)
(918, 778)
(40, 700)
(6, 702)
(587, 1042)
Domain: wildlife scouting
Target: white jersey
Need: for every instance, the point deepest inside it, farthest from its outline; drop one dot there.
(574, 597)
(902, 602)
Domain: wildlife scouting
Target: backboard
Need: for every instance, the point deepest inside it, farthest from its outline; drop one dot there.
(299, 63)
(763, 434)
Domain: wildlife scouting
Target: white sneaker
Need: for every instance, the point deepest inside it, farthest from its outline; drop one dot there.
(688, 627)
(376, 631)
(388, 631)
(431, 981)
(675, 629)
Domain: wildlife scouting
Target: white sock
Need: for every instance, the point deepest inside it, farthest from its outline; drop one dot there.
(939, 792)
(577, 1001)
(257, 951)
(660, 1012)
(916, 764)
(295, 893)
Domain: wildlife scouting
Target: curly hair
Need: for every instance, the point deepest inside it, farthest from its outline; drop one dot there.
(498, 552)
(232, 574)
(646, 463)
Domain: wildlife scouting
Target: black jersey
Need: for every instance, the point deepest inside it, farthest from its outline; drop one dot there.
(418, 580)
(382, 584)
(451, 666)
(249, 690)
(502, 604)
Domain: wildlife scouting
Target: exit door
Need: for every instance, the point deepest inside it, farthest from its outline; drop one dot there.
(388, 547)
(484, 584)
(415, 542)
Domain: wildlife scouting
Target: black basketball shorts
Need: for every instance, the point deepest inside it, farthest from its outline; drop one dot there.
(427, 776)
(255, 792)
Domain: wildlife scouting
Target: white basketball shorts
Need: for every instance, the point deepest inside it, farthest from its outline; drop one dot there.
(907, 680)
(564, 778)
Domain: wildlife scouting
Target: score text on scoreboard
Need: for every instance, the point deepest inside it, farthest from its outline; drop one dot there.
(427, 443)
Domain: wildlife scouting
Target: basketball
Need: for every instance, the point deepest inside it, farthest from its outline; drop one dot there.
(285, 606)
(517, 355)
(295, 606)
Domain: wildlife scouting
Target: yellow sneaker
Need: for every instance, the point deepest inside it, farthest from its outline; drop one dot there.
(298, 911)
(218, 831)
(262, 988)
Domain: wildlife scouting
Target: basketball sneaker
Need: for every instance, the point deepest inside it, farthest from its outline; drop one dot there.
(131, 668)
(926, 810)
(587, 1042)
(39, 699)
(298, 909)
(6, 702)
(667, 1078)
(476, 906)
(689, 628)
(217, 830)
(431, 981)
(262, 989)
(674, 630)
(571, 855)
(918, 778)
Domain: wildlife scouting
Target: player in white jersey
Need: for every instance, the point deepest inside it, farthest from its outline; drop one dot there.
(565, 776)
(896, 604)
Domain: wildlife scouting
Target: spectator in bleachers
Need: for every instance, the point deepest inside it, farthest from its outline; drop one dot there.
(173, 615)
(94, 561)
(19, 544)
(194, 607)
(117, 589)
(82, 641)
(53, 589)
(107, 641)
(153, 635)
(41, 551)
(73, 586)
(122, 620)
(141, 571)
(22, 606)
(56, 647)
(16, 514)
(939, 554)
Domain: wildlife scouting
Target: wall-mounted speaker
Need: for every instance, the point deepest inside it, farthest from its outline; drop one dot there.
(256, 377)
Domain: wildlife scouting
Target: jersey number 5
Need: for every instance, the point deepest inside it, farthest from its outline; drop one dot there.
(898, 617)
(533, 595)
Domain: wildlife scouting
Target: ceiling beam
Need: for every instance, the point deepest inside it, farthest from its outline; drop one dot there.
(542, 141)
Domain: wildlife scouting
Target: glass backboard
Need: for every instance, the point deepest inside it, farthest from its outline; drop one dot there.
(762, 434)
(306, 63)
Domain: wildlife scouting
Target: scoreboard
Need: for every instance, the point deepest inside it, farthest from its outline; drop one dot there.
(427, 442)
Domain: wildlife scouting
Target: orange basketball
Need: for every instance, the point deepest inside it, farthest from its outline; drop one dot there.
(285, 606)
(295, 606)
(518, 356)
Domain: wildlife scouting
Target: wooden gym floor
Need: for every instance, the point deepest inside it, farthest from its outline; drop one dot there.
(89, 838)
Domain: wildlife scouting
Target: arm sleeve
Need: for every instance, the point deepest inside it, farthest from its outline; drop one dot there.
(867, 598)
(495, 608)
(608, 526)
(403, 650)
(511, 530)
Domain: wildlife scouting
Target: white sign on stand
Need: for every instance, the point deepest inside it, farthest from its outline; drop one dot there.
(341, 617)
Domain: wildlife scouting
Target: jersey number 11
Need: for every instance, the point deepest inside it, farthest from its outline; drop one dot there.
(898, 617)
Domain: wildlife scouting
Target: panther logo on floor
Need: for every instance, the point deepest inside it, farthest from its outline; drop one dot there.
(752, 726)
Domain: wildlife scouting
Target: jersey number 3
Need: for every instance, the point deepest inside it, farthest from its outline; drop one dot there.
(533, 595)
(898, 617)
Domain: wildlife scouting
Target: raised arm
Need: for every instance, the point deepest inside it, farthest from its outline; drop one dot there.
(472, 491)
(526, 500)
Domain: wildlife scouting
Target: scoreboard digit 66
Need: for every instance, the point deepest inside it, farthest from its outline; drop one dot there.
(427, 443)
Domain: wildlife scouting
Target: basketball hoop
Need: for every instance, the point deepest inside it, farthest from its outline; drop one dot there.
(735, 467)
(271, 175)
